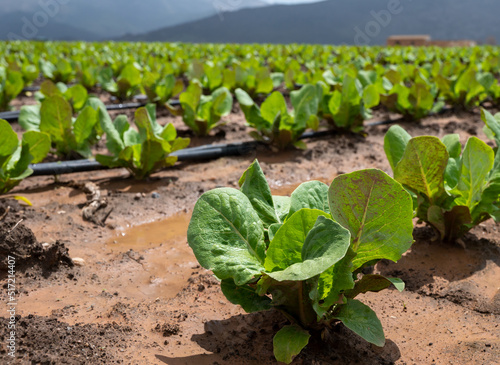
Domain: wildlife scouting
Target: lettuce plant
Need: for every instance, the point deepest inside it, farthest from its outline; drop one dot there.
(349, 107)
(61, 71)
(274, 123)
(201, 113)
(76, 95)
(160, 89)
(253, 78)
(28, 70)
(69, 135)
(11, 84)
(15, 157)
(144, 151)
(415, 101)
(453, 191)
(302, 255)
(468, 89)
(127, 83)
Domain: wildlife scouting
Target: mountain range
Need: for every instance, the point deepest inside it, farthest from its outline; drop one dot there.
(362, 22)
(106, 19)
(248, 21)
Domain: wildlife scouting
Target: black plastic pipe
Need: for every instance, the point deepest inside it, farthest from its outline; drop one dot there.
(201, 153)
(14, 115)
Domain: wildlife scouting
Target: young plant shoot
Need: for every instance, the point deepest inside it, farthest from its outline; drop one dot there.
(141, 151)
(302, 255)
(15, 155)
(453, 191)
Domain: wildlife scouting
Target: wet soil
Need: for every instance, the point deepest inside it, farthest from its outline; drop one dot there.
(138, 296)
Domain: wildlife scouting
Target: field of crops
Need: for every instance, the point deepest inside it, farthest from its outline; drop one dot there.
(244, 204)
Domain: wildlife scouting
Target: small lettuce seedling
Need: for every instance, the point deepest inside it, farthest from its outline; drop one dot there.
(348, 107)
(15, 157)
(302, 254)
(127, 83)
(202, 113)
(11, 84)
(144, 151)
(62, 71)
(273, 122)
(54, 116)
(76, 95)
(159, 89)
(453, 191)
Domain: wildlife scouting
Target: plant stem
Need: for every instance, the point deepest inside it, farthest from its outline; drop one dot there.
(302, 315)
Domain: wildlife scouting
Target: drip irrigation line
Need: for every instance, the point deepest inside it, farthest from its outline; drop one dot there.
(13, 116)
(201, 153)
(31, 89)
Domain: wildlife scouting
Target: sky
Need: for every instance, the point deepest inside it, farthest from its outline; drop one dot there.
(11, 5)
(290, 1)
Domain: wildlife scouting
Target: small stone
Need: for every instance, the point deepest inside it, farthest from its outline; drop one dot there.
(78, 261)
(45, 245)
(155, 195)
(137, 196)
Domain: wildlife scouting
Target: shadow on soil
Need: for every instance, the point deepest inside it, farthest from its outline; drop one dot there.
(465, 276)
(131, 185)
(427, 260)
(248, 339)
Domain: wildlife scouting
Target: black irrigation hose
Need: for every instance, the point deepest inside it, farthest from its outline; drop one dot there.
(14, 115)
(201, 153)
(188, 154)
(31, 89)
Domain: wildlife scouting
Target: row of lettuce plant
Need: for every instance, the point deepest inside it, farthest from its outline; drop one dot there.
(409, 81)
(55, 126)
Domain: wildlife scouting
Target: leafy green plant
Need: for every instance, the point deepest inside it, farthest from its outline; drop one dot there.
(15, 157)
(349, 107)
(274, 123)
(11, 84)
(144, 151)
(453, 190)
(201, 113)
(415, 101)
(28, 70)
(61, 71)
(160, 90)
(69, 135)
(302, 254)
(253, 78)
(467, 89)
(76, 95)
(127, 83)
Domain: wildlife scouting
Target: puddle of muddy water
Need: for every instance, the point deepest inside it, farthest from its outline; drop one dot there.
(162, 251)
(152, 234)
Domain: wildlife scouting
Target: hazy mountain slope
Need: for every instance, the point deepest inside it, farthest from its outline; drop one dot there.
(112, 18)
(336, 21)
(19, 25)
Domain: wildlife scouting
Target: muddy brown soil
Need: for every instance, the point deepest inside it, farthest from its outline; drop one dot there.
(138, 296)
